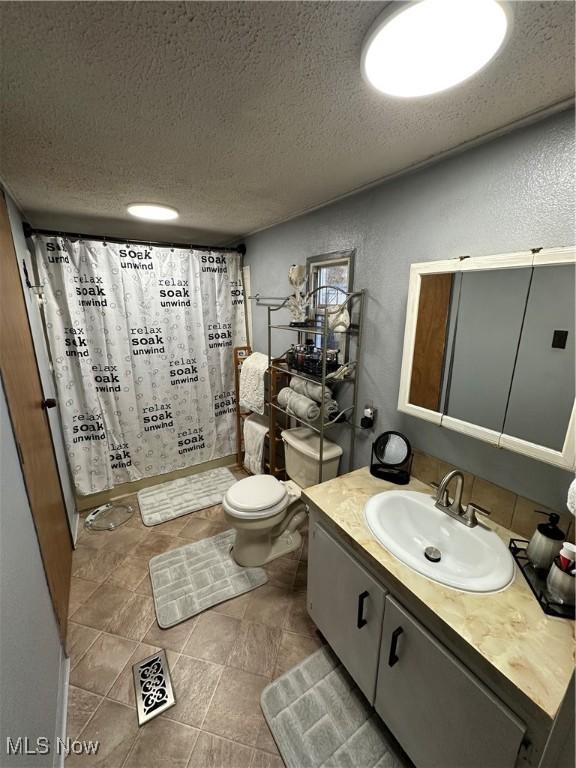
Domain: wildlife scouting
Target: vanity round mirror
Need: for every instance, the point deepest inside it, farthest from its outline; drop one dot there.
(391, 457)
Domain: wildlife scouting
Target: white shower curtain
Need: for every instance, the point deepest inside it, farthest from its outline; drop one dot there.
(141, 340)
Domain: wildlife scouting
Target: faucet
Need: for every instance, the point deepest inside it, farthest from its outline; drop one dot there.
(455, 510)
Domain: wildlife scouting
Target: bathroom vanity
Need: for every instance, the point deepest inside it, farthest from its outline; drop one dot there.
(462, 680)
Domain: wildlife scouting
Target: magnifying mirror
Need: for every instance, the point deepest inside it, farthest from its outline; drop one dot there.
(391, 458)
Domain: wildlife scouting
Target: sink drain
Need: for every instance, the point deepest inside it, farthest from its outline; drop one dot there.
(433, 554)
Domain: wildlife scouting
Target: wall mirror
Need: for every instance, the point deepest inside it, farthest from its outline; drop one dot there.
(489, 350)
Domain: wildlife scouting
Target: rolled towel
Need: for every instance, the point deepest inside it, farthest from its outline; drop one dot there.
(251, 395)
(571, 501)
(298, 405)
(310, 389)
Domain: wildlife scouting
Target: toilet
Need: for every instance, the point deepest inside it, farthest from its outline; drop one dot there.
(266, 513)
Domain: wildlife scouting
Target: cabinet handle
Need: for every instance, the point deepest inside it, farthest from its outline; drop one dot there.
(361, 621)
(393, 658)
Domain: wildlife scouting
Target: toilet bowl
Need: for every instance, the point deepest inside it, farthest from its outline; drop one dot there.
(266, 513)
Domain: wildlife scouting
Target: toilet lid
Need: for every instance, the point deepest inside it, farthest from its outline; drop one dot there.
(255, 494)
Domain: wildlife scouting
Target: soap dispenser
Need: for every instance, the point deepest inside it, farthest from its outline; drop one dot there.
(546, 542)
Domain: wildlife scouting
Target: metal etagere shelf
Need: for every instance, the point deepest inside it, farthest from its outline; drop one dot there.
(347, 417)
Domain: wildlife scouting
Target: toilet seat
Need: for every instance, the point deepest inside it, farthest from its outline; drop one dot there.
(255, 498)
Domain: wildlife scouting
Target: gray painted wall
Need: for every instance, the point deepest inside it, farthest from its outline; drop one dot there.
(32, 663)
(43, 360)
(512, 194)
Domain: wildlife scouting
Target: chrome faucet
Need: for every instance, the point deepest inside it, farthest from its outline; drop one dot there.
(465, 516)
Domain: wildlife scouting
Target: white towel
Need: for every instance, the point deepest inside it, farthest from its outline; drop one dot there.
(571, 501)
(255, 428)
(252, 382)
(298, 405)
(310, 389)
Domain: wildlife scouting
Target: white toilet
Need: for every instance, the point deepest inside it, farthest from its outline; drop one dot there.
(265, 512)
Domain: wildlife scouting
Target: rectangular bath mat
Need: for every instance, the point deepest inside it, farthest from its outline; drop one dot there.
(319, 717)
(152, 686)
(192, 578)
(188, 494)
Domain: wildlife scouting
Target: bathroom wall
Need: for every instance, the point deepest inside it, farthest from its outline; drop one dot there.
(33, 669)
(511, 194)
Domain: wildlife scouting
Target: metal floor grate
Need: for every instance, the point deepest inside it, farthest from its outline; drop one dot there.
(153, 686)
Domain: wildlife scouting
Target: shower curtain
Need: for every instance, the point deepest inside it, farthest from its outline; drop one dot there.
(141, 340)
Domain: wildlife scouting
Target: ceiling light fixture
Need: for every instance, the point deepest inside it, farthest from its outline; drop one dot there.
(152, 211)
(425, 47)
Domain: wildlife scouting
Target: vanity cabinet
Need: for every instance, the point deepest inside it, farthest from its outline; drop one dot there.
(347, 605)
(442, 715)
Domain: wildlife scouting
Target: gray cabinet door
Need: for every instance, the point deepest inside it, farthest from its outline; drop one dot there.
(441, 714)
(347, 605)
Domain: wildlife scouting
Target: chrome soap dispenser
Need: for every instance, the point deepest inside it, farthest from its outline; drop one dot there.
(546, 542)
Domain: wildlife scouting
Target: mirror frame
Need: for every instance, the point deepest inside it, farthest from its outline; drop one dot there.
(566, 458)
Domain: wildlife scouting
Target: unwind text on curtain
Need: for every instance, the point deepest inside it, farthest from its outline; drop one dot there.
(141, 339)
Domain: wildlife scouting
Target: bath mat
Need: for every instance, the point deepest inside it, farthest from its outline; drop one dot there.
(318, 717)
(152, 686)
(192, 578)
(188, 494)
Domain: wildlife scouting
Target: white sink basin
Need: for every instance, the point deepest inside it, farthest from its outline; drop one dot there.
(472, 559)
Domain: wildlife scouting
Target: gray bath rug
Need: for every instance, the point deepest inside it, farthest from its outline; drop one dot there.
(192, 578)
(188, 494)
(318, 717)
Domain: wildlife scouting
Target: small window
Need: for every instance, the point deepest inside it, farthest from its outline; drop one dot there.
(334, 273)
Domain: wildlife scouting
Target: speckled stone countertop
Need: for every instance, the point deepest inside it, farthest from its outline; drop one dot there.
(533, 651)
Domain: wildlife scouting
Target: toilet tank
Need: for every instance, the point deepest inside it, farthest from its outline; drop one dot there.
(302, 452)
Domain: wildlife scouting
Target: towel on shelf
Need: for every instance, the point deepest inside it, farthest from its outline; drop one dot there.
(298, 405)
(255, 428)
(571, 501)
(310, 389)
(251, 395)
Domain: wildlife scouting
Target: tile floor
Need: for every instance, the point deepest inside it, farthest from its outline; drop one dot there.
(220, 660)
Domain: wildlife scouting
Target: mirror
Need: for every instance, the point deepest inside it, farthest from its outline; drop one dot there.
(391, 457)
(489, 350)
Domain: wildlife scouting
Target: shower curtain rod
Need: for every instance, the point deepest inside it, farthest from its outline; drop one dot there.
(29, 231)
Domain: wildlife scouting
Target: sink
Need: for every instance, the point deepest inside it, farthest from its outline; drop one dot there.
(406, 523)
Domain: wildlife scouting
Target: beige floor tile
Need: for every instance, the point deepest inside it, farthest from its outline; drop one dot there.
(134, 618)
(266, 760)
(268, 605)
(95, 564)
(294, 649)
(102, 607)
(498, 501)
(102, 663)
(115, 727)
(235, 607)
(215, 514)
(265, 740)
(297, 618)
(94, 539)
(162, 744)
(174, 638)
(129, 573)
(124, 539)
(213, 637)
(235, 712)
(171, 527)
(282, 571)
(214, 752)
(194, 682)
(199, 528)
(80, 591)
(123, 688)
(81, 706)
(155, 544)
(78, 640)
(256, 648)
(144, 587)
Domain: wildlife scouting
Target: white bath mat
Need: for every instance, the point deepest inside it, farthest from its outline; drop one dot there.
(188, 494)
(192, 578)
(318, 717)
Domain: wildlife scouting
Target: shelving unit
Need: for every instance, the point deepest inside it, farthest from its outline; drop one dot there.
(354, 303)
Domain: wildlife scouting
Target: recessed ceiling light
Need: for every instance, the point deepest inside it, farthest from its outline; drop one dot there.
(152, 212)
(428, 46)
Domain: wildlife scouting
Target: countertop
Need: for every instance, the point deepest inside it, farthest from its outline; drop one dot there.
(535, 652)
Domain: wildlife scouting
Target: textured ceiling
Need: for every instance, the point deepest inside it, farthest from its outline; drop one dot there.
(239, 114)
